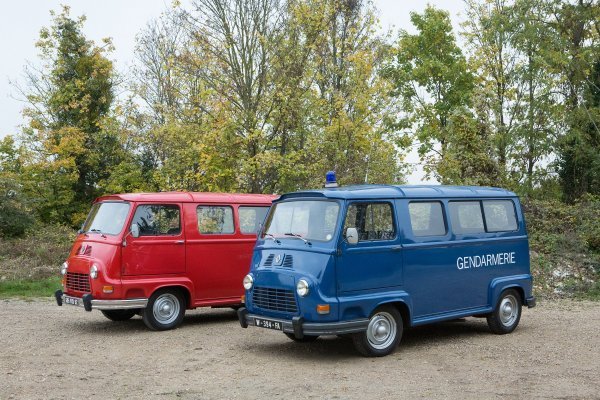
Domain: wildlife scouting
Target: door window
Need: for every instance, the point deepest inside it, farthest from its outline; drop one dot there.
(155, 220)
(215, 220)
(251, 218)
(373, 221)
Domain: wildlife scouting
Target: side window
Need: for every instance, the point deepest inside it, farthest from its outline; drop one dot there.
(500, 215)
(427, 218)
(466, 217)
(251, 218)
(215, 220)
(155, 220)
(373, 221)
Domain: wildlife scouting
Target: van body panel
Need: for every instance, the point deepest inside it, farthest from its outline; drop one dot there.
(432, 273)
(208, 268)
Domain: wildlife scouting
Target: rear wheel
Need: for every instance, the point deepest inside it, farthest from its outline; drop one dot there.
(165, 310)
(119, 315)
(305, 339)
(382, 335)
(507, 314)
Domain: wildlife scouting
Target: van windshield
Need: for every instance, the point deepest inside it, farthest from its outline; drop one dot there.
(308, 219)
(107, 218)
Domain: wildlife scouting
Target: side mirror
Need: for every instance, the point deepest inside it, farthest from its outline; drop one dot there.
(352, 235)
(135, 230)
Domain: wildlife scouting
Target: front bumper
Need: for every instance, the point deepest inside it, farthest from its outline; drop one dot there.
(299, 328)
(89, 303)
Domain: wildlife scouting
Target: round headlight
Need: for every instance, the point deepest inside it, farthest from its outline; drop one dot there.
(248, 282)
(94, 271)
(302, 288)
(64, 268)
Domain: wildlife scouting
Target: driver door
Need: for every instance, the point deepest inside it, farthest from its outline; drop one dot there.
(376, 260)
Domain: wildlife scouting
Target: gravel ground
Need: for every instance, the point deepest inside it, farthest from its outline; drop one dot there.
(47, 352)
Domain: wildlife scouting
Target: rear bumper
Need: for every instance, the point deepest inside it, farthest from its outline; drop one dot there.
(299, 328)
(530, 302)
(89, 303)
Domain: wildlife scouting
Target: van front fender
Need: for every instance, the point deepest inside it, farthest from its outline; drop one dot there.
(356, 306)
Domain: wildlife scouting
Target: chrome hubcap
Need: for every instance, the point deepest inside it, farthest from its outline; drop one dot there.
(166, 308)
(382, 330)
(509, 310)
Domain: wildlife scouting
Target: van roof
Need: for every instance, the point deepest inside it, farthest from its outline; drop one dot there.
(187, 197)
(402, 191)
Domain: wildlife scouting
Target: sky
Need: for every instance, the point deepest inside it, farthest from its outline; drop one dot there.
(21, 21)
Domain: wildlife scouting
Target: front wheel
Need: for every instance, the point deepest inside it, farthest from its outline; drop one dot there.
(507, 314)
(305, 338)
(382, 335)
(119, 315)
(165, 310)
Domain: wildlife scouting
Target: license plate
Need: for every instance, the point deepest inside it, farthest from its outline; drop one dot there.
(269, 324)
(71, 300)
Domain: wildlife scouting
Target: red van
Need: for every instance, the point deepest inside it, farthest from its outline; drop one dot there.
(158, 254)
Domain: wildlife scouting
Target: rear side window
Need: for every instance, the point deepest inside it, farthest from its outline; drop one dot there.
(373, 221)
(427, 219)
(215, 220)
(251, 218)
(500, 215)
(155, 220)
(466, 217)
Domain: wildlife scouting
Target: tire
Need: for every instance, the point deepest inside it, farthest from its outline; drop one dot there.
(165, 310)
(305, 339)
(119, 315)
(382, 335)
(507, 314)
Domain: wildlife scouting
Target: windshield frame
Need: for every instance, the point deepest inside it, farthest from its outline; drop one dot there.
(99, 204)
(263, 232)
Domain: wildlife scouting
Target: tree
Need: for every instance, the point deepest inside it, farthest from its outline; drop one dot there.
(15, 213)
(536, 128)
(490, 30)
(431, 76)
(575, 59)
(68, 108)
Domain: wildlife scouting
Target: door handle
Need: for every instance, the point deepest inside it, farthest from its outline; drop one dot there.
(179, 241)
(396, 248)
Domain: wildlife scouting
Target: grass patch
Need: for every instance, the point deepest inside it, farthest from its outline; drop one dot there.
(29, 288)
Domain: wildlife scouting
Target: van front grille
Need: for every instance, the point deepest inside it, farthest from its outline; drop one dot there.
(274, 299)
(78, 282)
(288, 261)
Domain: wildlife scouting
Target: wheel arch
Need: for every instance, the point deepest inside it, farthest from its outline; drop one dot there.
(519, 283)
(179, 287)
(402, 307)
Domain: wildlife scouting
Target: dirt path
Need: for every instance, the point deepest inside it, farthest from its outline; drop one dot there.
(47, 352)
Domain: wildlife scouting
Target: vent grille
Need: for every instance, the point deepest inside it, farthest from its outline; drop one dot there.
(84, 250)
(288, 261)
(269, 260)
(78, 282)
(274, 299)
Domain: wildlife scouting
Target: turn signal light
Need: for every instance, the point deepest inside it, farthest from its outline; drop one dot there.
(107, 289)
(243, 299)
(323, 308)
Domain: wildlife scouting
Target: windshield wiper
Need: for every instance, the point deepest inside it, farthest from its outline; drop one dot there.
(299, 237)
(272, 237)
(97, 231)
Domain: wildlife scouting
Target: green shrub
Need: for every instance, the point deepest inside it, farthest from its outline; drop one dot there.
(36, 255)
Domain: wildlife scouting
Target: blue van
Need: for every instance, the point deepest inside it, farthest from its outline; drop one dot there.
(371, 261)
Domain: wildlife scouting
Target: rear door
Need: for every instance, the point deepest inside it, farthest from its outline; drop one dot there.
(160, 248)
